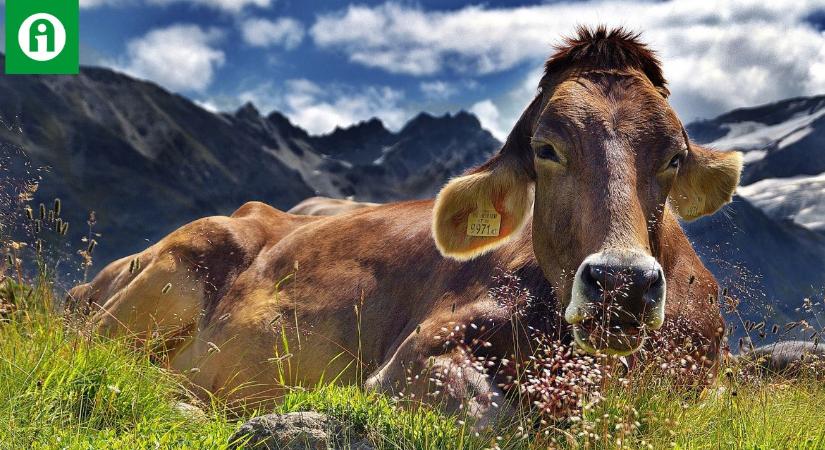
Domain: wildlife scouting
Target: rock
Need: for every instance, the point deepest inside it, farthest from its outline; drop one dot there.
(294, 431)
(786, 357)
(190, 411)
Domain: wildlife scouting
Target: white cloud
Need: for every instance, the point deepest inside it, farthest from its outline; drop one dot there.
(96, 3)
(717, 55)
(319, 109)
(490, 118)
(285, 32)
(437, 89)
(180, 57)
(208, 105)
(232, 6)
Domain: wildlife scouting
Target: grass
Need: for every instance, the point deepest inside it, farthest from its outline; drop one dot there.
(60, 389)
(63, 389)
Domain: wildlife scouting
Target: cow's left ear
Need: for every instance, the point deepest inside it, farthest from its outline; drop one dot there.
(479, 212)
(706, 181)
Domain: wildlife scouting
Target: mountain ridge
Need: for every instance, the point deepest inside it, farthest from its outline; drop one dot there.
(163, 160)
(148, 160)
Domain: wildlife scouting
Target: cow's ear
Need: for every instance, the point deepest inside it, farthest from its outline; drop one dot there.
(476, 213)
(706, 181)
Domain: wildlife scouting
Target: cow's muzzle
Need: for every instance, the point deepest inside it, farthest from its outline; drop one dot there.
(617, 297)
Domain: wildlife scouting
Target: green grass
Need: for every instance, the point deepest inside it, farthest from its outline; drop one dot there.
(61, 389)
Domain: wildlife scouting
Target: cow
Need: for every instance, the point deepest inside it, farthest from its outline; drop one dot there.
(325, 206)
(580, 206)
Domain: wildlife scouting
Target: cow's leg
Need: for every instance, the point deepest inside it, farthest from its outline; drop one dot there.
(451, 379)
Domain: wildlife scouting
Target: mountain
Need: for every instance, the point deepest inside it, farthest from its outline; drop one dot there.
(770, 266)
(769, 246)
(148, 161)
(784, 145)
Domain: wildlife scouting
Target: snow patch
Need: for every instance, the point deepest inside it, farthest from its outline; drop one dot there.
(797, 198)
(754, 135)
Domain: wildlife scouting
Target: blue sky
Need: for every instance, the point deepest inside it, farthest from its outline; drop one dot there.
(332, 63)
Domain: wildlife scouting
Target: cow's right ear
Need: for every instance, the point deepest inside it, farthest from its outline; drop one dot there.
(479, 212)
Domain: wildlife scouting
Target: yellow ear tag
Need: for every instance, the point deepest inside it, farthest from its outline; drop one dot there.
(484, 222)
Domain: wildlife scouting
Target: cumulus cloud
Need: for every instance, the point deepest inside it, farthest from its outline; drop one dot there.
(490, 118)
(96, 3)
(319, 109)
(438, 89)
(284, 32)
(717, 55)
(233, 6)
(180, 57)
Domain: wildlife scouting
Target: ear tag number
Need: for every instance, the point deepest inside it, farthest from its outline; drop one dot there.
(484, 222)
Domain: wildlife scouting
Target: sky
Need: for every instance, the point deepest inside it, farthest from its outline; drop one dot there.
(334, 63)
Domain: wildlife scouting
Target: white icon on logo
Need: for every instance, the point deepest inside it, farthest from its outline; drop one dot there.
(42, 37)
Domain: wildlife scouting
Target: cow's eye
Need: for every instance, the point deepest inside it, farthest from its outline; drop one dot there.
(547, 151)
(677, 160)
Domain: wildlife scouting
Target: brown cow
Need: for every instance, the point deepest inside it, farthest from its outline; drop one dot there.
(325, 206)
(580, 204)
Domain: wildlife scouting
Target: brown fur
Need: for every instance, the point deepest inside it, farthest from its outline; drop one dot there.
(368, 291)
(325, 206)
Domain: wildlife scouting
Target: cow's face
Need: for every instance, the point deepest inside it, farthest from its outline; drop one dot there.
(599, 158)
(607, 150)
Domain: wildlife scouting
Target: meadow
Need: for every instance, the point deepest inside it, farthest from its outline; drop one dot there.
(64, 388)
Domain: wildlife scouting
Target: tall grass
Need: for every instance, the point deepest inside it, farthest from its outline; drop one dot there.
(60, 388)
(63, 388)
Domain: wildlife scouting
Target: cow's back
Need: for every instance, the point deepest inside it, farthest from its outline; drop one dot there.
(186, 270)
(325, 206)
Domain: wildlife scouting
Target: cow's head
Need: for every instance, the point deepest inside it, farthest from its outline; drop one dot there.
(603, 160)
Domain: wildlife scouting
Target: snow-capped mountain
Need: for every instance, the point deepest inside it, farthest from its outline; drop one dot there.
(772, 256)
(148, 161)
(784, 145)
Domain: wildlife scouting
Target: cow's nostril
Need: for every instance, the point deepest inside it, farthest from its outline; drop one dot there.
(595, 272)
(621, 277)
(591, 274)
(651, 278)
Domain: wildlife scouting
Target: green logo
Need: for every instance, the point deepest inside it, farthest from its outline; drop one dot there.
(42, 37)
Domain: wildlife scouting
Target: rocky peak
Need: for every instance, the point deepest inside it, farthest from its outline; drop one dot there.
(248, 112)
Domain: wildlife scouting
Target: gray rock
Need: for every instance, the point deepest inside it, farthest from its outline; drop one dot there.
(787, 357)
(294, 431)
